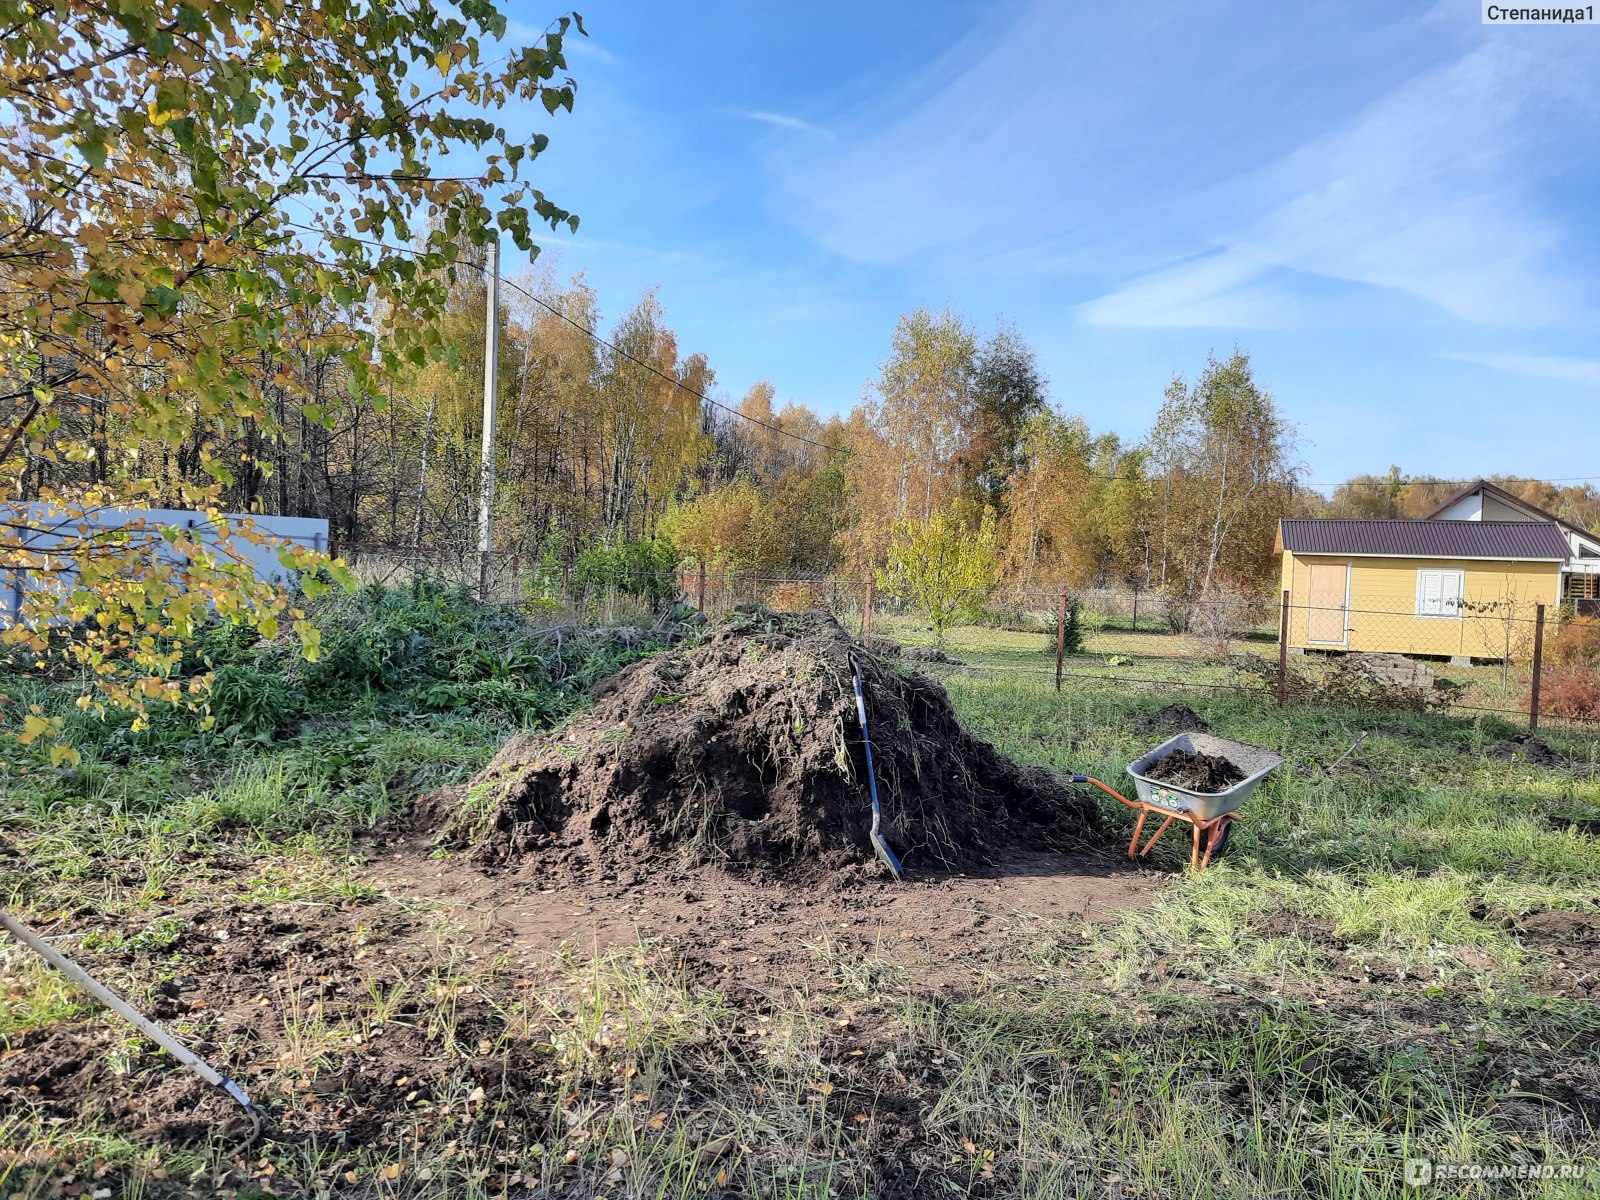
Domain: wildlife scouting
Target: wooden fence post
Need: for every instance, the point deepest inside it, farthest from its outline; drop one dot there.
(1135, 608)
(1061, 634)
(866, 614)
(1538, 667)
(1283, 652)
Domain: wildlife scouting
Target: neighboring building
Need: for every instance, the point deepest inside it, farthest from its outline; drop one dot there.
(38, 527)
(1580, 578)
(1462, 582)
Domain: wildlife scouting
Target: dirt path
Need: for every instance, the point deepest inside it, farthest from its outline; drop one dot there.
(765, 936)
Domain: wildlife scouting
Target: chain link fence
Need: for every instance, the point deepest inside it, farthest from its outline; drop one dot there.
(1493, 660)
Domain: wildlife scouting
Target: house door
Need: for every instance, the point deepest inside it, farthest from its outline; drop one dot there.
(1329, 604)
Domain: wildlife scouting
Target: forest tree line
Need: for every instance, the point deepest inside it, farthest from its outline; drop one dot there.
(610, 444)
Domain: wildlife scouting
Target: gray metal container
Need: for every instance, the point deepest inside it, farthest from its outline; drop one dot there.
(1255, 762)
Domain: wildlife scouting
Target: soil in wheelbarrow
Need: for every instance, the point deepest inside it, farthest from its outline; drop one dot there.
(745, 751)
(1195, 772)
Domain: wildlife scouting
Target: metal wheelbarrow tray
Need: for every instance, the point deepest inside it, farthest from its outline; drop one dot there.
(1254, 762)
(1211, 814)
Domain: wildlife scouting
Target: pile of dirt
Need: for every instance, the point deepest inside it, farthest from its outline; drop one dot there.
(1525, 748)
(745, 750)
(1195, 772)
(1174, 718)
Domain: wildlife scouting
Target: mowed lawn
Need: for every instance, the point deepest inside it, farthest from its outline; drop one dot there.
(1396, 958)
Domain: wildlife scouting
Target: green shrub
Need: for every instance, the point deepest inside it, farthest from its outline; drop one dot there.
(246, 701)
(646, 567)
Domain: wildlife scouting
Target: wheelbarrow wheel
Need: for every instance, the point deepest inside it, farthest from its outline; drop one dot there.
(1222, 841)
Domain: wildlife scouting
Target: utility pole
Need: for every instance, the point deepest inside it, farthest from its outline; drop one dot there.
(491, 395)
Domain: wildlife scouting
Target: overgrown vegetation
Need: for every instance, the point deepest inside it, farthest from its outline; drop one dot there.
(389, 654)
(1571, 683)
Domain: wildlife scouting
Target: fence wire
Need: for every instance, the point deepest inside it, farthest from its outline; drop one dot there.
(1489, 661)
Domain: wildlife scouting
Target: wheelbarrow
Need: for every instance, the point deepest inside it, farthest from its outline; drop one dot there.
(1210, 814)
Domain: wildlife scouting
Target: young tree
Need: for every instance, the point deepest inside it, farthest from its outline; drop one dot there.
(1223, 458)
(943, 566)
(909, 442)
(1009, 391)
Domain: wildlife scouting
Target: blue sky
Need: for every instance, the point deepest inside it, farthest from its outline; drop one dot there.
(1392, 207)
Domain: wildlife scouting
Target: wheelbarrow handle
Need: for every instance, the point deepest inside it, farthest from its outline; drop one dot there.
(1108, 790)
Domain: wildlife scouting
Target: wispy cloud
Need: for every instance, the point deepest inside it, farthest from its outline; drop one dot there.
(582, 47)
(520, 33)
(1540, 366)
(781, 121)
(1407, 159)
(1222, 290)
(1427, 193)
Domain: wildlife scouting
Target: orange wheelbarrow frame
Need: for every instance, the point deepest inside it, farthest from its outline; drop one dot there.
(1207, 835)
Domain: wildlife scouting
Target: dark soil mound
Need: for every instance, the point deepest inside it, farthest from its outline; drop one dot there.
(1525, 748)
(1195, 771)
(746, 750)
(1174, 718)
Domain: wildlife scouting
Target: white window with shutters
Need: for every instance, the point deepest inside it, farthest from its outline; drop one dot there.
(1439, 592)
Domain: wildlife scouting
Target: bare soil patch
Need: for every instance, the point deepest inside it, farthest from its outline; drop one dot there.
(1569, 944)
(754, 934)
(1526, 748)
(746, 752)
(1194, 771)
(265, 991)
(1174, 718)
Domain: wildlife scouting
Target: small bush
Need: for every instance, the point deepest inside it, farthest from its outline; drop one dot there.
(1572, 691)
(249, 702)
(795, 597)
(1578, 642)
(1220, 614)
(1072, 632)
(646, 568)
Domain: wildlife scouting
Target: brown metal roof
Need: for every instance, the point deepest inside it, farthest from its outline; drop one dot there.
(1428, 538)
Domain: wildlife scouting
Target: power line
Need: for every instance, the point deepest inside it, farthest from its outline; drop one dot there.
(778, 429)
(610, 345)
(1430, 481)
(556, 312)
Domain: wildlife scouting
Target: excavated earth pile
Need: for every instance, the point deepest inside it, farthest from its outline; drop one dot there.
(745, 750)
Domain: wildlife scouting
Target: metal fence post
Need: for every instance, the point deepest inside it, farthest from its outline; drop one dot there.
(866, 614)
(1283, 651)
(1135, 608)
(1061, 634)
(702, 604)
(1538, 667)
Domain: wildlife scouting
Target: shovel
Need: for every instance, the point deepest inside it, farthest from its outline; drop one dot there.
(878, 844)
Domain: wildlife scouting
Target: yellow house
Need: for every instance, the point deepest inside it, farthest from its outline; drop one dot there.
(1462, 588)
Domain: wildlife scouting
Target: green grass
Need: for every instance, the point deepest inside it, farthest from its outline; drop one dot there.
(1345, 989)
(1155, 654)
